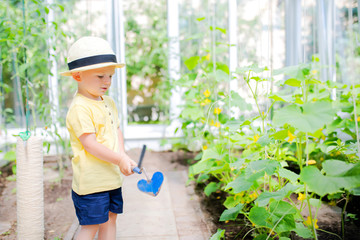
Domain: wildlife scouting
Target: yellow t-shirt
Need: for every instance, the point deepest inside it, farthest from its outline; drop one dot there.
(91, 174)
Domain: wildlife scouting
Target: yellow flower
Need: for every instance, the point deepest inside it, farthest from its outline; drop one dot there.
(256, 138)
(314, 71)
(217, 111)
(205, 102)
(308, 222)
(207, 93)
(226, 221)
(321, 159)
(207, 57)
(311, 162)
(238, 195)
(205, 147)
(358, 119)
(291, 136)
(217, 124)
(253, 195)
(332, 203)
(302, 197)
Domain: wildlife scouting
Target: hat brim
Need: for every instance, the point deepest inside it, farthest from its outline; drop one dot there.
(93, 66)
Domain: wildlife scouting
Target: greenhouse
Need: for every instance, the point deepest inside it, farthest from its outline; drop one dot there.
(245, 113)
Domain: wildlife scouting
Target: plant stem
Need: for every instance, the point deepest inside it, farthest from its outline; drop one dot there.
(310, 213)
(256, 101)
(343, 216)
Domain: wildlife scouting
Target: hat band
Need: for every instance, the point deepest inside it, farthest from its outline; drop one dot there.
(82, 62)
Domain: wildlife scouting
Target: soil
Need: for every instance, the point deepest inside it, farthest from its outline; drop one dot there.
(58, 210)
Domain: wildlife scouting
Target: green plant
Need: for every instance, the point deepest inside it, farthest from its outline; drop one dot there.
(276, 158)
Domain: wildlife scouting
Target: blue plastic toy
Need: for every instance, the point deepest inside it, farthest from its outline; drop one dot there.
(150, 186)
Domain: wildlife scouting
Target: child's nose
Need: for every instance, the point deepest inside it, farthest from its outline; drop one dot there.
(107, 79)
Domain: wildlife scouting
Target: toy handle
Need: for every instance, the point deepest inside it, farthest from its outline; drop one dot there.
(136, 170)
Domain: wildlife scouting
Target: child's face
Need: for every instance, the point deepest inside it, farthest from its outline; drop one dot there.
(94, 83)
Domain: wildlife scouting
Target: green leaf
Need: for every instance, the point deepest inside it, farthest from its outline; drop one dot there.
(289, 175)
(259, 216)
(265, 197)
(215, 152)
(225, 68)
(201, 167)
(232, 201)
(223, 30)
(192, 62)
(292, 71)
(220, 234)
(336, 167)
(263, 237)
(310, 118)
(284, 223)
(194, 113)
(219, 76)
(293, 82)
(303, 231)
(237, 100)
(239, 184)
(265, 166)
(210, 188)
(323, 185)
(280, 135)
(355, 191)
(10, 156)
(281, 98)
(239, 163)
(264, 140)
(281, 208)
(232, 213)
(232, 125)
(61, 7)
(200, 19)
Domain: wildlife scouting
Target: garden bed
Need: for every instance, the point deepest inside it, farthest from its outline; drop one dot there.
(58, 210)
(329, 218)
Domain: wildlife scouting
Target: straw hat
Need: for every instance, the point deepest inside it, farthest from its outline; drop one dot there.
(90, 53)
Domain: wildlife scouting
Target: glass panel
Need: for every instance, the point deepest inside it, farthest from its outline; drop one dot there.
(148, 89)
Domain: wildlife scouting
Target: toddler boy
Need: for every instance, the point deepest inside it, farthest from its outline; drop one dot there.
(97, 142)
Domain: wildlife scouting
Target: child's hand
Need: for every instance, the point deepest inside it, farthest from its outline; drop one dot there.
(126, 165)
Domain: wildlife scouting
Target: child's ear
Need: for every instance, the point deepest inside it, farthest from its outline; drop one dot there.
(76, 76)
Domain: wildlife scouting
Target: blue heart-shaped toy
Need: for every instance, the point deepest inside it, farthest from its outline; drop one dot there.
(153, 186)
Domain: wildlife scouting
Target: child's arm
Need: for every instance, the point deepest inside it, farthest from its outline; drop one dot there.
(88, 140)
(122, 148)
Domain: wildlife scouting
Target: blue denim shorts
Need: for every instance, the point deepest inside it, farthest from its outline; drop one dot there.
(94, 208)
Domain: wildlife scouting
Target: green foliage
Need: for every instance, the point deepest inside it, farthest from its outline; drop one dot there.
(220, 234)
(25, 57)
(255, 159)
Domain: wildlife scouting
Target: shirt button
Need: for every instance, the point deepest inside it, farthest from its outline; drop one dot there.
(109, 113)
(112, 122)
(105, 105)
